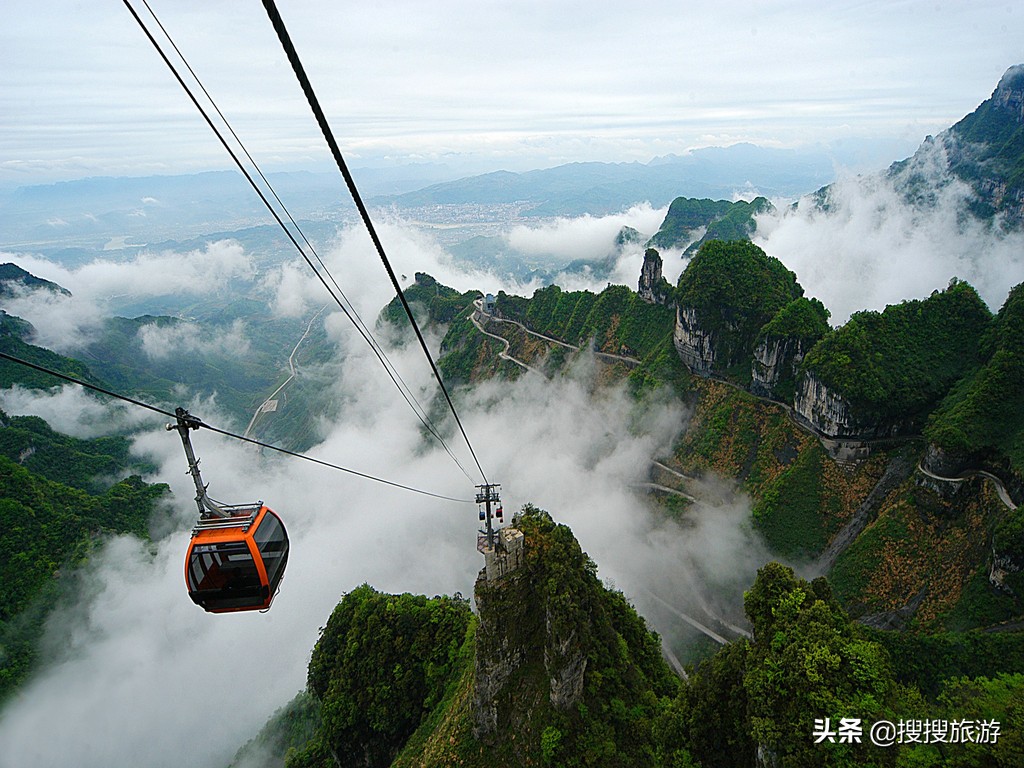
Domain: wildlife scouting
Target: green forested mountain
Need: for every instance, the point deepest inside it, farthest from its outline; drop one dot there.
(718, 220)
(382, 665)
(48, 527)
(13, 277)
(983, 415)
(57, 495)
(897, 364)
(575, 677)
(733, 290)
(909, 559)
(15, 334)
(555, 669)
(985, 149)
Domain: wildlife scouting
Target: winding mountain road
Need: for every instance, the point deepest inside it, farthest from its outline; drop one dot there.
(270, 404)
(478, 304)
(504, 355)
(1001, 492)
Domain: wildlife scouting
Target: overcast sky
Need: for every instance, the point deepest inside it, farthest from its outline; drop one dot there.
(497, 84)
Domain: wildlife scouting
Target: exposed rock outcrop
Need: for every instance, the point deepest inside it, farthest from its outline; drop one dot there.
(1003, 566)
(652, 286)
(944, 463)
(775, 359)
(504, 638)
(831, 415)
(823, 409)
(696, 346)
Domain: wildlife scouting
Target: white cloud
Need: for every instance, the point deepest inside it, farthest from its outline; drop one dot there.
(160, 342)
(873, 249)
(72, 410)
(584, 237)
(167, 273)
(136, 670)
(68, 323)
(62, 323)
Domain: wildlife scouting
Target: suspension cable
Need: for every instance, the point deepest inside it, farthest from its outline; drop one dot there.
(226, 433)
(356, 321)
(307, 88)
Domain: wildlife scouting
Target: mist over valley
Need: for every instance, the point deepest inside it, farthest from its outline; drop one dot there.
(755, 412)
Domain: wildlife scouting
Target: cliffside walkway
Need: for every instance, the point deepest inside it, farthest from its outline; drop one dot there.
(478, 313)
(504, 355)
(1001, 492)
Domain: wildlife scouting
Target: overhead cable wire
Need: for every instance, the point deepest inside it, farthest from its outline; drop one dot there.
(226, 433)
(325, 128)
(356, 321)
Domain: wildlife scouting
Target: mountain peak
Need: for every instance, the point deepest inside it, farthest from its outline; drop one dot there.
(1009, 94)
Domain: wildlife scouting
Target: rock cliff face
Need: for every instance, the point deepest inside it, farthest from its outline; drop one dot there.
(504, 637)
(944, 463)
(775, 359)
(650, 285)
(824, 410)
(696, 347)
(524, 648)
(1004, 567)
(831, 415)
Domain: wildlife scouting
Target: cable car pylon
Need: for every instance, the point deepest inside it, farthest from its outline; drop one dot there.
(237, 555)
(488, 494)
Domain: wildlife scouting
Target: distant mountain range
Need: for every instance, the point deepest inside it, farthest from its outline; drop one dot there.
(79, 217)
(600, 188)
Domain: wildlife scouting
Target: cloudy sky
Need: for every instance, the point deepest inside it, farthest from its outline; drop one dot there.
(486, 84)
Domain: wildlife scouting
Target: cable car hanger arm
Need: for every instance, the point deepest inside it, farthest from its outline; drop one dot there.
(185, 422)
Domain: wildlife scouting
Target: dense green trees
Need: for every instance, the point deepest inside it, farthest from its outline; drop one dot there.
(983, 415)
(45, 527)
(734, 289)
(807, 662)
(381, 665)
(897, 364)
(803, 319)
(440, 302)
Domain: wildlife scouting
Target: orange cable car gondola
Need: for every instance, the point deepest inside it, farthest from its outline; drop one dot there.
(237, 555)
(236, 563)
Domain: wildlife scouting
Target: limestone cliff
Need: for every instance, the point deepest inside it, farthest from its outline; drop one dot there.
(830, 414)
(695, 345)
(653, 287)
(554, 647)
(725, 296)
(776, 360)
(782, 344)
